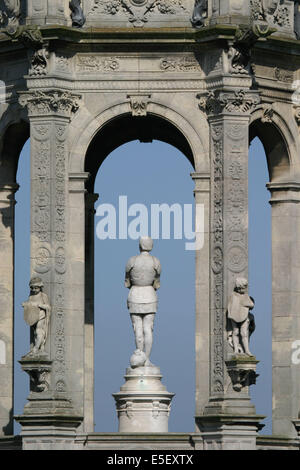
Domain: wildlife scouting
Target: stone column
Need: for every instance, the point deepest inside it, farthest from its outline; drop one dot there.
(90, 200)
(7, 212)
(50, 113)
(229, 406)
(285, 203)
(202, 203)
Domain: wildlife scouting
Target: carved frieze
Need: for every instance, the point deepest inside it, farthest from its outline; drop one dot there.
(93, 63)
(137, 12)
(182, 64)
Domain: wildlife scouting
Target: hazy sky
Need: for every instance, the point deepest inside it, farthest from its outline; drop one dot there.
(153, 174)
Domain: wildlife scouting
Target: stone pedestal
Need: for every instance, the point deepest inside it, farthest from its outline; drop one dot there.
(143, 403)
(48, 420)
(231, 422)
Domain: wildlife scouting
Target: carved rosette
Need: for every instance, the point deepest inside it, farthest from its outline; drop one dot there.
(50, 112)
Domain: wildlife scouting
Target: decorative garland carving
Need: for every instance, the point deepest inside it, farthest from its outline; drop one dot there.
(137, 10)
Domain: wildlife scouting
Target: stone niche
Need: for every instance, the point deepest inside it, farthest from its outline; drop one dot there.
(138, 13)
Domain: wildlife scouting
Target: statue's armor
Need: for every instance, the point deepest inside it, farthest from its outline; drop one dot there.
(142, 270)
(238, 307)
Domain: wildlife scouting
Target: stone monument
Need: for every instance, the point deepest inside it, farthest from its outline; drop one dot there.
(81, 78)
(143, 403)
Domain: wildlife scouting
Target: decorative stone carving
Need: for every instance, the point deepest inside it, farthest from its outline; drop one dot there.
(137, 11)
(41, 102)
(138, 104)
(10, 12)
(238, 101)
(184, 64)
(240, 323)
(268, 113)
(242, 372)
(274, 12)
(92, 63)
(77, 15)
(39, 62)
(37, 315)
(143, 280)
(199, 13)
(283, 75)
(39, 370)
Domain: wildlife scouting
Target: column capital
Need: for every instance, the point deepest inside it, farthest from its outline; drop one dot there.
(61, 103)
(240, 102)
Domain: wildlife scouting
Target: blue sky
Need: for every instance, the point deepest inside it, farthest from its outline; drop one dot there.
(149, 174)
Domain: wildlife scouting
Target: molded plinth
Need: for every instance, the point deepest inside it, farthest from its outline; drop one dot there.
(143, 403)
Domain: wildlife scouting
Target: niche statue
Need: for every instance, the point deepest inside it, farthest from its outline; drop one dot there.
(240, 322)
(37, 315)
(143, 279)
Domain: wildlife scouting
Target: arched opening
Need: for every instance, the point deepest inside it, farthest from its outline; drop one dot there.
(14, 230)
(260, 279)
(144, 174)
(22, 276)
(269, 162)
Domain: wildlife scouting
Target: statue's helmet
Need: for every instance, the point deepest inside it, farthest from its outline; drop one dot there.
(146, 244)
(36, 282)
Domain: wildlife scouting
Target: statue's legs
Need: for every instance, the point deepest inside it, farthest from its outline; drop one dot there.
(245, 336)
(235, 337)
(143, 329)
(148, 324)
(40, 335)
(137, 323)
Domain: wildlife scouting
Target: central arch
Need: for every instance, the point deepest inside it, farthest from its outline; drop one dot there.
(101, 135)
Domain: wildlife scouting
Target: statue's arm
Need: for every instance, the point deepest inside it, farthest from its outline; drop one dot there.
(129, 267)
(157, 267)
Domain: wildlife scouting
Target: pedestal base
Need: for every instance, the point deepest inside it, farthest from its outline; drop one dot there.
(143, 403)
(49, 420)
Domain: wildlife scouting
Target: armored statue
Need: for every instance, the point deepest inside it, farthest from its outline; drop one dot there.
(241, 322)
(143, 279)
(37, 315)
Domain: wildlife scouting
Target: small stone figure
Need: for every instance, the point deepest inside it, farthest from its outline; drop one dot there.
(240, 322)
(37, 315)
(77, 15)
(199, 13)
(143, 280)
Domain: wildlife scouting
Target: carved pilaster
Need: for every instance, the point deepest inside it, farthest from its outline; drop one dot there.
(50, 113)
(228, 113)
